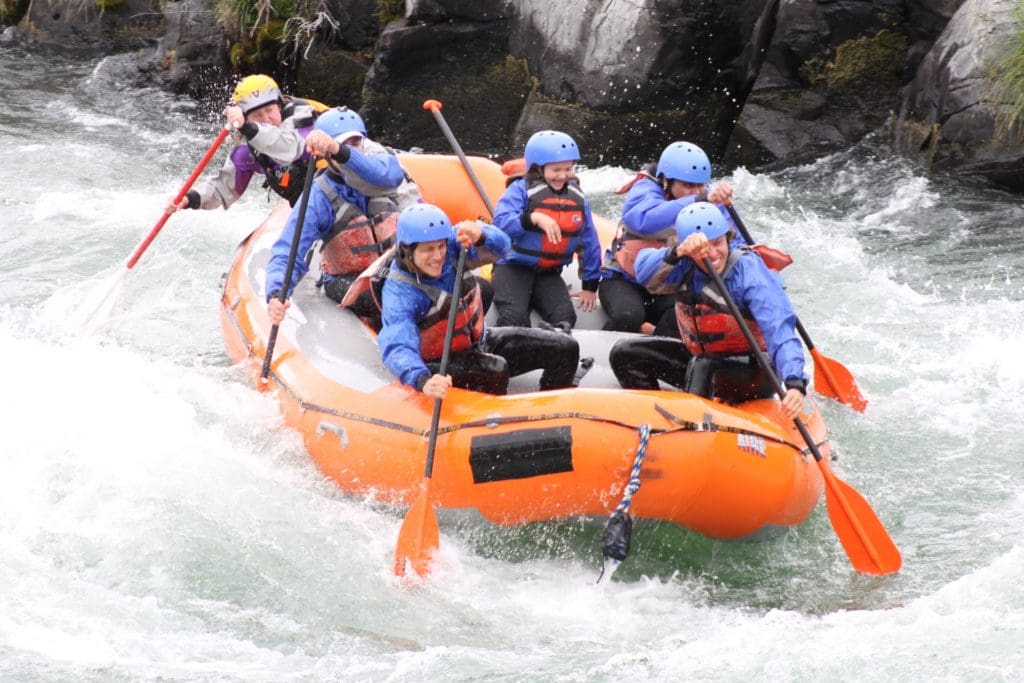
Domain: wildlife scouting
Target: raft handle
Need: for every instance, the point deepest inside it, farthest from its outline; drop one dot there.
(335, 429)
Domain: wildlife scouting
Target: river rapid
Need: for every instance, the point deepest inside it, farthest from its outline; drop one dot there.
(158, 521)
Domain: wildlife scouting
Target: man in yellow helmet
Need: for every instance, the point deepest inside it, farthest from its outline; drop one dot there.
(273, 130)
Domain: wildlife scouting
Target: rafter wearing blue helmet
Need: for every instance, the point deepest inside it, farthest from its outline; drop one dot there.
(416, 299)
(548, 219)
(653, 198)
(352, 211)
(711, 340)
(273, 127)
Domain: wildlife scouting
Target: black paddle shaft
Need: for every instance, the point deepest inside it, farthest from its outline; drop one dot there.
(762, 358)
(292, 254)
(457, 148)
(445, 355)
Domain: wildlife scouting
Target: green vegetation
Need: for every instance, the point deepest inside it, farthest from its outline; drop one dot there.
(877, 60)
(1007, 77)
(268, 30)
(391, 10)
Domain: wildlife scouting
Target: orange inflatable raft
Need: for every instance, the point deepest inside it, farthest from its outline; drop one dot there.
(727, 472)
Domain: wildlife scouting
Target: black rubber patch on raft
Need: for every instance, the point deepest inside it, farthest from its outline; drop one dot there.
(520, 454)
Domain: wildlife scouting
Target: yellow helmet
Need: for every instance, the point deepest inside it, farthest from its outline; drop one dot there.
(252, 92)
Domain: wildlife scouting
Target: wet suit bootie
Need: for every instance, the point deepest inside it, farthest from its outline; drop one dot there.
(564, 328)
(582, 370)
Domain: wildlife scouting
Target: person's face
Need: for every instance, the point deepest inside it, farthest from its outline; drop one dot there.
(557, 174)
(718, 252)
(429, 257)
(269, 114)
(681, 188)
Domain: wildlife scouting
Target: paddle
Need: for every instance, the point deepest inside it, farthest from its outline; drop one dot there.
(293, 252)
(97, 304)
(434, 107)
(867, 543)
(419, 537)
(831, 378)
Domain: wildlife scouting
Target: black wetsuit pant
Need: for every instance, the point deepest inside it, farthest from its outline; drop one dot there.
(511, 351)
(640, 362)
(520, 289)
(629, 305)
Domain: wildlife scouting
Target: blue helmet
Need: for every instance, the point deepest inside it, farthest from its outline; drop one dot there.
(685, 161)
(550, 146)
(341, 123)
(423, 223)
(701, 217)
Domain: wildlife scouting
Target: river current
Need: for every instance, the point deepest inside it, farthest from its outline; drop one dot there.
(158, 521)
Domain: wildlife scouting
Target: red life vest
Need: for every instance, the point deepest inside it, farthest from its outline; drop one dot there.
(567, 209)
(469, 320)
(356, 239)
(627, 244)
(515, 168)
(705, 323)
(372, 280)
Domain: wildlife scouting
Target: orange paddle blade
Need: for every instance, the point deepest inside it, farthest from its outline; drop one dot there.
(865, 540)
(419, 536)
(773, 258)
(832, 379)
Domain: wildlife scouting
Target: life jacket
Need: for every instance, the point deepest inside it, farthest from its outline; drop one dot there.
(371, 280)
(469, 320)
(567, 210)
(705, 323)
(356, 239)
(514, 169)
(286, 179)
(627, 243)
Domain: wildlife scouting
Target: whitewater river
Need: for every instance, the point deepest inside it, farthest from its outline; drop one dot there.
(157, 521)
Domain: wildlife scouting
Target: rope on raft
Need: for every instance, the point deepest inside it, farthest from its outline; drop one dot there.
(616, 536)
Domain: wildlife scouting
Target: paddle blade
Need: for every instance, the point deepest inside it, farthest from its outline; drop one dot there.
(832, 379)
(865, 540)
(419, 536)
(773, 258)
(95, 308)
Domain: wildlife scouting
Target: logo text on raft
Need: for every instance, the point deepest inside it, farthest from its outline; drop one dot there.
(751, 443)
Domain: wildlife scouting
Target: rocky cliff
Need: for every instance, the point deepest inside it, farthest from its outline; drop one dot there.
(752, 81)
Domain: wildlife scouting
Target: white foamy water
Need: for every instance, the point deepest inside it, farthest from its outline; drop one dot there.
(157, 521)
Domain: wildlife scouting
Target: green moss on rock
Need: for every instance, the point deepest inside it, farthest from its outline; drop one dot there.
(390, 10)
(877, 60)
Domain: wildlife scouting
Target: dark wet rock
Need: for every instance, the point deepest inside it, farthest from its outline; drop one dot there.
(831, 76)
(754, 81)
(118, 26)
(927, 18)
(949, 118)
(359, 25)
(456, 10)
(334, 77)
(189, 56)
(464, 65)
(643, 75)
